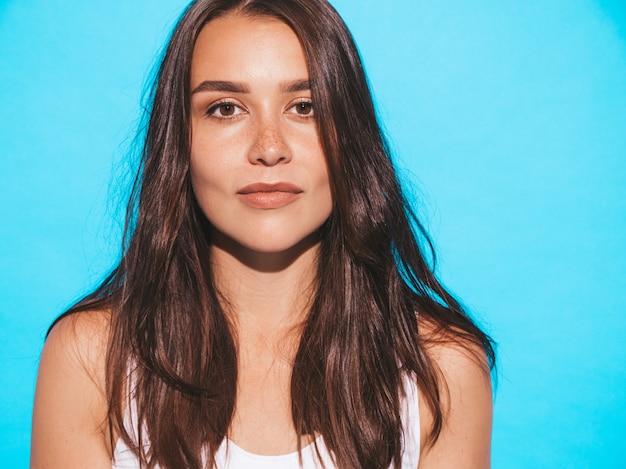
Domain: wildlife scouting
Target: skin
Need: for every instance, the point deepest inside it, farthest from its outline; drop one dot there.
(69, 415)
(263, 256)
(261, 130)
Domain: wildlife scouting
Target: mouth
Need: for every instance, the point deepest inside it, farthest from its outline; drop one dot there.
(263, 187)
(266, 196)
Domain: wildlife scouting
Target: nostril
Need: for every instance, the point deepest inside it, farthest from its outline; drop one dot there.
(270, 148)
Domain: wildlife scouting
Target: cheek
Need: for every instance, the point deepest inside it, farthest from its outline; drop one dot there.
(323, 178)
(209, 164)
(207, 187)
(216, 156)
(200, 176)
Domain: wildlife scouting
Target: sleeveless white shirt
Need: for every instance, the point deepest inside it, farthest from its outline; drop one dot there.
(231, 456)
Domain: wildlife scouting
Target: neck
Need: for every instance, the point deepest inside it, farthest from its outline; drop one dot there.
(265, 293)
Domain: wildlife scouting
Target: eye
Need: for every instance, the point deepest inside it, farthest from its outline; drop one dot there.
(224, 110)
(303, 108)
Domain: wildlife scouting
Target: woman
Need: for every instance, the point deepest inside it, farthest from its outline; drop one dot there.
(273, 307)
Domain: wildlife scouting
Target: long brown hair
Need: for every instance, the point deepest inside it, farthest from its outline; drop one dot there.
(374, 275)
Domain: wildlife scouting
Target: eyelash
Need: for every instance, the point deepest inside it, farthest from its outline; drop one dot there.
(307, 102)
(212, 110)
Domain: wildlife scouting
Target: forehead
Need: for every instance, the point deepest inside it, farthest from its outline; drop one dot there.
(240, 47)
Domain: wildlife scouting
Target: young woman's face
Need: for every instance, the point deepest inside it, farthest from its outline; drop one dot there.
(257, 167)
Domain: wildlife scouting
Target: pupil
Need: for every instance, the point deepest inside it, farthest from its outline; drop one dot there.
(227, 109)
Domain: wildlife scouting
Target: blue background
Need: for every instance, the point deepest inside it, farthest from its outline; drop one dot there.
(509, 116)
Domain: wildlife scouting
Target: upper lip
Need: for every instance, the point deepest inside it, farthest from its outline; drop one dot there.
(269, 187)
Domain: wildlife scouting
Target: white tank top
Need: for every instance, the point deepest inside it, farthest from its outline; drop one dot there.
(231, 456)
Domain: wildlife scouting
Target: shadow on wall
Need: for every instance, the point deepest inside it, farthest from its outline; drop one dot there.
(615, 10)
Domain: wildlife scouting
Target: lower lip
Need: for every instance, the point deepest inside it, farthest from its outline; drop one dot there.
(269, 200)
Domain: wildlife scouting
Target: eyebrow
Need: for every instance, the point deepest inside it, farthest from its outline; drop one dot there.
(236, 87)
(294, 86)
(220, 85)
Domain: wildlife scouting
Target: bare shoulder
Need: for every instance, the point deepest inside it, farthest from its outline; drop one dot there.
(69, 415)
(81, 336)
(467, 405)
(77, 346)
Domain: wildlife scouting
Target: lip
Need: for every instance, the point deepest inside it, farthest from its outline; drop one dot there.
(270, 187)
(268, 196)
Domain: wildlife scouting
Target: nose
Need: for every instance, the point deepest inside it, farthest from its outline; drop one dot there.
(269, 147)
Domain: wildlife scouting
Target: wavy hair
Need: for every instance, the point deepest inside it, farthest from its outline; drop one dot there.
(373, 276)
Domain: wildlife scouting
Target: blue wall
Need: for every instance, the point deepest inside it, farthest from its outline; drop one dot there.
(510, 117)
